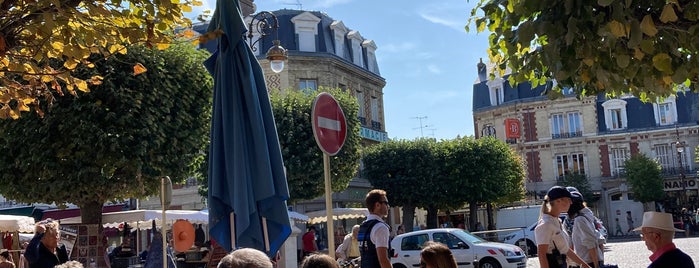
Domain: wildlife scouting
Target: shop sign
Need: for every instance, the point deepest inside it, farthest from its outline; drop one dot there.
(373, 135)
(676, 185)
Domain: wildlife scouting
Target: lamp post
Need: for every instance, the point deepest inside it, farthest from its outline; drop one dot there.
(266, 23)
(680, 148)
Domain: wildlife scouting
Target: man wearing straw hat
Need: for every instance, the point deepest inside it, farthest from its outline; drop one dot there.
(657, 232)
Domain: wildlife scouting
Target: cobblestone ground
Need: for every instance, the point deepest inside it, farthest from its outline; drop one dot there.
(632, 252)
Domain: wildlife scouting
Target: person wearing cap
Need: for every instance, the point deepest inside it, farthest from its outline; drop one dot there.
(550, 235)
(657, 231)
(586, 238)
(43, 250)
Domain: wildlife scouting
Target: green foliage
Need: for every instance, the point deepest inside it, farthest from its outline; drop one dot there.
(644, 177)
(117, 141)
(410, 172)
(445, 174)
(641, 47)
(302, 157)
(488, 170)
(580, 182)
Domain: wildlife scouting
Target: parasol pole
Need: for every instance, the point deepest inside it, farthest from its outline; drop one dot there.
(165, 199)
(232, 219)
(328, 206)
(265, 233)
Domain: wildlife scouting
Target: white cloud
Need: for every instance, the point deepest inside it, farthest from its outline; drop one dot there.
(453, 15)
(434, 69)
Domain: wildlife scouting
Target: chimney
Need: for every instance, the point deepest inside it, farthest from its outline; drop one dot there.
(482, 72)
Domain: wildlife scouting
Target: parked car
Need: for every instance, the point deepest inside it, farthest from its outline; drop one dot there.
(526, 240)
(465, 247)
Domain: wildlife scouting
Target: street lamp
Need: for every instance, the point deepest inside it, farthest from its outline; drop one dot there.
(266, 22)
(680, 148)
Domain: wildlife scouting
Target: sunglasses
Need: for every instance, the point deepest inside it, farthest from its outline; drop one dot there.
(384, 202)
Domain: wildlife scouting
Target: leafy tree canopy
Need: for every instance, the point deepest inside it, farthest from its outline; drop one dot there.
(604, 46)
(580, 182)
(117, 141)
(644, 176)
(35, 34)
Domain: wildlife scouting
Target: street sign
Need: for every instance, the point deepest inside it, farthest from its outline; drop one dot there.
(329, 124)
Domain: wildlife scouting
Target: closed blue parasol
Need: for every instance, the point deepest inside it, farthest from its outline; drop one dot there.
(246, 171)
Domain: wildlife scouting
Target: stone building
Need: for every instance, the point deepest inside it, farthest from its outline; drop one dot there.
(593, 136)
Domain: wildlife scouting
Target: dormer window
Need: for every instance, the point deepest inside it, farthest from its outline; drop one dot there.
(497, 94)
(665, 111)
(370, 47)
(306, 29)
(615, 114)
(339, 32)
(356, 42)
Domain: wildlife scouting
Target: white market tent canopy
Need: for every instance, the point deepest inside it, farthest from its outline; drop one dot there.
(338, 214)
(141, 219)
(11, 223)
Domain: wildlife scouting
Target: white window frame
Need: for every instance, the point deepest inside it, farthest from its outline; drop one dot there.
(611, 106)
(308, 85)
(617, 158)
(665, 111)
(374, 109)
(557, 125)
(574, 123)
(567, 164)
(497, 93)
(306, 29)
(339, 32)
(664, 153)
(360, 101)
(356, 40)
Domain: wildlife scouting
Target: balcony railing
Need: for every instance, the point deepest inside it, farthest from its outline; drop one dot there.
(362, 120)
(566, 135)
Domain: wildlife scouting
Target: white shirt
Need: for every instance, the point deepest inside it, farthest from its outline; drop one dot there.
(549, 231)
(585, 235)
(380, 233)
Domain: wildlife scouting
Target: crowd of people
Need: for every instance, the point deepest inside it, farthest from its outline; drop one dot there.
(584, 246)
(556, 246)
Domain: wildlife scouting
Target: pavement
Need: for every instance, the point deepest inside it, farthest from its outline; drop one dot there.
(631, 252)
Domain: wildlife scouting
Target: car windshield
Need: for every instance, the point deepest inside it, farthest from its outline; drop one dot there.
(463, 234)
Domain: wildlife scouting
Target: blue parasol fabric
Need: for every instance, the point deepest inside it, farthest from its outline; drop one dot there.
(246, 171)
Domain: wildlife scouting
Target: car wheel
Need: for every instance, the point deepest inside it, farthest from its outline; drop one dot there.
(527, 246)
(488, 263)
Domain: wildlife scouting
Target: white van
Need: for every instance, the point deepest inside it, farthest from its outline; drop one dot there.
(516, 217)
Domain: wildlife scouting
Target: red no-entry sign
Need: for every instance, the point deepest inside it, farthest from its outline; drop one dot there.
(329, 123)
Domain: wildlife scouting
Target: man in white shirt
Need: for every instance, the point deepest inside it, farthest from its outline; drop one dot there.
(374, 232)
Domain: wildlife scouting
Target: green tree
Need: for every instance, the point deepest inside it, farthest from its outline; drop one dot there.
(644, 177)
(302, 157)
(605, 46)
(34, 33)
(116, 142)
(408, 170)
(580, 182)
(488, 171)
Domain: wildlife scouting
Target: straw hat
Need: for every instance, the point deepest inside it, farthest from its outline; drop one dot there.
(183, 234)
(658, 220)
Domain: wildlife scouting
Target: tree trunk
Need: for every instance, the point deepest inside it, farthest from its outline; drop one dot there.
(408, 217)
(489, 212)
(472, 215)
(432, 221)
(91, 212)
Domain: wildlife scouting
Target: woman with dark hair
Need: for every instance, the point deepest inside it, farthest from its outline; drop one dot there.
(551, 238)
(585, 235)
(436, 255)
(6, 259)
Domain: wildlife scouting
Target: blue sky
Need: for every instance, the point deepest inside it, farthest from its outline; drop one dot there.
(424, 53)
